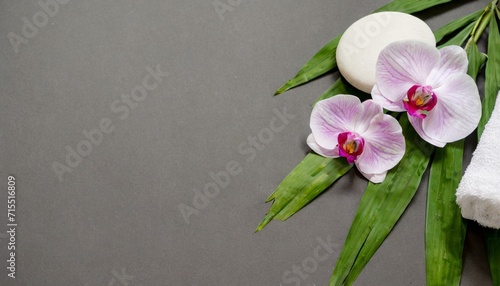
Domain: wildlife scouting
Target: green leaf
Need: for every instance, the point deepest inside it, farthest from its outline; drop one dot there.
(492, 81)
(492, 237)
(476, 59)
(309, 179)
(381, 207)
(408, 6)
(324, 60)
(455, 25)
(459, 38)
(341, 86)
(444, 226)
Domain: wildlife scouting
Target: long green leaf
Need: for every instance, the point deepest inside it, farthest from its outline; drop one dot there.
(309, 178)
(476, 60)
(455, 25)
(459, 38)
(324, 60)
(408, 6)
(341, 86)
(492, 84)
(492, 81)
(381, 207)
(444, 226)
(492, 237)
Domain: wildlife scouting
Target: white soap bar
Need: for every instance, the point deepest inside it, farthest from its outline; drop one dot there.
(363, 41)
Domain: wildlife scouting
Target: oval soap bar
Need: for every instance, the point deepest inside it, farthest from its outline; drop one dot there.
(363, 41)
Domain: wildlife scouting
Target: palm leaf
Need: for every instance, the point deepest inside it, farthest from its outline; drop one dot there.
(455, 25)
(492, 237)
(309, 178)
(341, 86)
(460, 37)
(444, 226)
(408, 6)
(381, 207)
(476, 60)
(492, 84)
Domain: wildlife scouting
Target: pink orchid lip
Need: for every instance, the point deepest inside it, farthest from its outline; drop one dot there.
(350, 146)
(420, 100)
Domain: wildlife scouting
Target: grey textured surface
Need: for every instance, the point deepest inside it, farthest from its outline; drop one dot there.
(115, 218)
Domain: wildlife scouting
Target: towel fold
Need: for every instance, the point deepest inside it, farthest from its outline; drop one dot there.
(478, 193)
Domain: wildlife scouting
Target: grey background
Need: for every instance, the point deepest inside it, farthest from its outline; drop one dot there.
(117, 212)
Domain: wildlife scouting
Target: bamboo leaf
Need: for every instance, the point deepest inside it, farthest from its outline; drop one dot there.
(408, 6)
(476, 60)
(492, 81)
(324, 60)
(444, 226)
(459, 38)
(455, 25)
(381, 207)
(341, 86)
(309, 178)
(492, 237)
(492, 84)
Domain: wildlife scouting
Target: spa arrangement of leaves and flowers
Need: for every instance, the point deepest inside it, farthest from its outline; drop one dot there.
(423, 104)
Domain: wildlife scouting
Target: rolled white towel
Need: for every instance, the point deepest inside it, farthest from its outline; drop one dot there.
(478, 193)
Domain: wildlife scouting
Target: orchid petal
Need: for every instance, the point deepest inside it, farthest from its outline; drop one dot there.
(334, 153)
(384, 145)
(453, 60)
(457, 111)
(385, 103)
(332, 116)
(417, 122)
(370, 110)
(375, 178)
(403, 64)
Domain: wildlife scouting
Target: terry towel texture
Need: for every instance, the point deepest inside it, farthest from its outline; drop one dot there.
(478, 194)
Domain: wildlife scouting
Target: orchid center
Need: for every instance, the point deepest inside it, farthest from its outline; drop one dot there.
(420, 100)
(350, 146)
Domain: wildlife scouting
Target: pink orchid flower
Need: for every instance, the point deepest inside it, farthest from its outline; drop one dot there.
(342, 126)
(432, 86)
